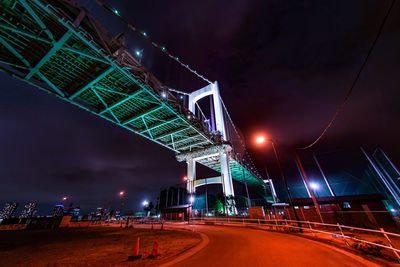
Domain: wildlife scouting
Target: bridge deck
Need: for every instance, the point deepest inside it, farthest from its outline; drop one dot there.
(58, 47)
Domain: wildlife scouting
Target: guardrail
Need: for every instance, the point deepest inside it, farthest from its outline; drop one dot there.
(13, 226)
(334, 230)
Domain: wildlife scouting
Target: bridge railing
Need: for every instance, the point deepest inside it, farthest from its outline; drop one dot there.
(371, 241)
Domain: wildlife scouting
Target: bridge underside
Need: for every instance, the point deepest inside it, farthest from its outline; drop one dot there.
(60, 48)
(80, 62)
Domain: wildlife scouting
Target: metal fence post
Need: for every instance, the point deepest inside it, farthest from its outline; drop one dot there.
(341, 231)
(309, 225)
(390, 244)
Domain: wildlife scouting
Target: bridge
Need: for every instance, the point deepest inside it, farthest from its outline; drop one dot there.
(58, 47)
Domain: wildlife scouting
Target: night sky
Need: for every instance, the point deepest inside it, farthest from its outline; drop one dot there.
(282, 66)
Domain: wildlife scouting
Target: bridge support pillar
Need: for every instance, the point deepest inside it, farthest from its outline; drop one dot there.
(227, 184)
(191, 175)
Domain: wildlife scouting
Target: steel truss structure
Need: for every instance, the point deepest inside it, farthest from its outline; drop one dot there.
(60, 48)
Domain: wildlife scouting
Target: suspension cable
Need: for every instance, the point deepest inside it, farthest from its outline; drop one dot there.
(340, 107)
(162, 48)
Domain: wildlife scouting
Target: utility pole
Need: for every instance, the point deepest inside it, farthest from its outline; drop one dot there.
(323, 176)
(308, 186)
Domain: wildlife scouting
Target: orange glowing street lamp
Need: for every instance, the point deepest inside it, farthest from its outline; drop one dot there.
(185, 178)
(122, 193)
(261, 139)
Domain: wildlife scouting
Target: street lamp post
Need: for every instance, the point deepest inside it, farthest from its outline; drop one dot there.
(261, 140)
(285, 182)
(121, 195)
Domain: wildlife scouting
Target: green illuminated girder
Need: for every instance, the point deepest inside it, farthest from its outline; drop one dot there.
(66, 79)
(58, 55)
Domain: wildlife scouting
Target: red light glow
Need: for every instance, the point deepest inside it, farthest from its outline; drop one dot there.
(260, 139)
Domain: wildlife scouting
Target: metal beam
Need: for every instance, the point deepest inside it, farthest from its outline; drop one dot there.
(36, 18)
(51, 84)
(110, 90)
(101, 76)
(104, 103)
(121, 102)
(84, 54)
(154, 126)
(205, 181)
(184, 139)
(14, 52)
(145, 124)
(24, 33)
(57, 45)
(178, 130)
(193, 144)
(142, 114)
(14, 65)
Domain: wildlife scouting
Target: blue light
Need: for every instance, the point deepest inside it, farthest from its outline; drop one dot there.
(163, 48)
(144, 34)
(138, 53)
(393, 210)
(116, 12)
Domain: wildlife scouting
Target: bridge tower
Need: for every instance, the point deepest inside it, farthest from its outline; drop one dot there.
(221, 152)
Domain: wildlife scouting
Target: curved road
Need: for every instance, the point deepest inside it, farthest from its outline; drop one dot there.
(236, 246)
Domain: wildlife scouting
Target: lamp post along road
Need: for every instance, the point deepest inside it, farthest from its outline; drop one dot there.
(285, 182)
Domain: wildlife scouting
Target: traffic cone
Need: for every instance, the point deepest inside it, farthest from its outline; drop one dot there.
(155, 253)
(135, 252)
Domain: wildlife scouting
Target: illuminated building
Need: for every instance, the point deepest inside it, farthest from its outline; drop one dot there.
(29, 210)
(100, 211)
(8, 210)
(58, 210)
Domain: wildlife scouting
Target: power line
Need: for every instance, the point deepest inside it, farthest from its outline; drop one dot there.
(162, 48)
(340, 107)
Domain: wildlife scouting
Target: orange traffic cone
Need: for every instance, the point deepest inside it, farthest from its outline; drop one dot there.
(135, 252)
(155, 253)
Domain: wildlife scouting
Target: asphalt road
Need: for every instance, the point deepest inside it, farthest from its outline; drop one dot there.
(235, 246)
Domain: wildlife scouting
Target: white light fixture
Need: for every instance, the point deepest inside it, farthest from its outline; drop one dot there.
(314, 186)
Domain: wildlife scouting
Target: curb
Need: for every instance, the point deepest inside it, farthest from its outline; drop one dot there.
(189, 252)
